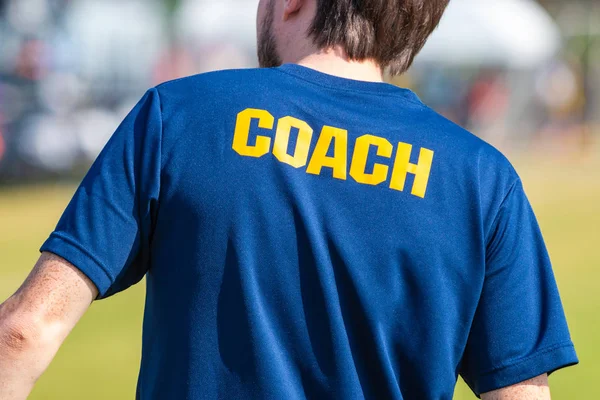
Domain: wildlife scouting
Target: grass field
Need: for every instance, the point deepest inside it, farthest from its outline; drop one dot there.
(101, 357)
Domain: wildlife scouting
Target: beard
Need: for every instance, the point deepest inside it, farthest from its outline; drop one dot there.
(268, 56)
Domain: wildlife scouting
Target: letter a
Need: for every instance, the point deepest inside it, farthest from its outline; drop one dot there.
(339, 161)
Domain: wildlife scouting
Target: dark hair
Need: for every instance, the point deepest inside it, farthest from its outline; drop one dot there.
(390, 32)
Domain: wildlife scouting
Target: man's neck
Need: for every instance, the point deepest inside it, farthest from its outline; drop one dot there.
(333, 63)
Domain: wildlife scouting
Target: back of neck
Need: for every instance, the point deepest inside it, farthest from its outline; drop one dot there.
(333, 63)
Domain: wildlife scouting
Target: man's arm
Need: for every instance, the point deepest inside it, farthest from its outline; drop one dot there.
(35, 321)
(533, 389)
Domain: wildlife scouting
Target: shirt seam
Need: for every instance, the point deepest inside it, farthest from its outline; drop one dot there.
(81, 249)
(508, 193)
(160, 107)
(160, 115)
(160, 164)
(374, 93)
(527, 358)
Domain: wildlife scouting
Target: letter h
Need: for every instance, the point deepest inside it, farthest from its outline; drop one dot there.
(403, 166)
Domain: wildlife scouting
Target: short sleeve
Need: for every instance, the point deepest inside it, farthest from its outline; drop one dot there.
(107, 227)
(519, 330)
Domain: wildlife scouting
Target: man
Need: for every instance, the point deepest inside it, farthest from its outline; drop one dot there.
(307, 232)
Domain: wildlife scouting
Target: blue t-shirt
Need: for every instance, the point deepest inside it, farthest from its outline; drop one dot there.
(306, 236)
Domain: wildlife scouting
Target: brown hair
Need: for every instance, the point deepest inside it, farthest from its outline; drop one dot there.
(390, 32)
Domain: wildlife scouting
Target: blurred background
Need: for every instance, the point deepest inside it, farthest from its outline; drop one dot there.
(522, 74)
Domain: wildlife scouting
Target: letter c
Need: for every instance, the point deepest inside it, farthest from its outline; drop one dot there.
(242, 133)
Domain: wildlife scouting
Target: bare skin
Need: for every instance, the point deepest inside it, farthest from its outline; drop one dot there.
(533, 389)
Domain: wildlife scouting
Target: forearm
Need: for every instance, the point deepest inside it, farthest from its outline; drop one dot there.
(37, 319)
(17, 376)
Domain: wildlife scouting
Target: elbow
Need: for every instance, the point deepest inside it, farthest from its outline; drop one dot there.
(19, 332)
(23, 332)
(17, 338)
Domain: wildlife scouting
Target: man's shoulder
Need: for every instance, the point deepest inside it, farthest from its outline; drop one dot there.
(229, 80)
(458, 141)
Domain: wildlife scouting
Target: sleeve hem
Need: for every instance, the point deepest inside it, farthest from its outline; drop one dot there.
(544, 361)
(71, 251)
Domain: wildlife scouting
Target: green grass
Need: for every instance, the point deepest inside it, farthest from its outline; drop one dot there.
(101, 357)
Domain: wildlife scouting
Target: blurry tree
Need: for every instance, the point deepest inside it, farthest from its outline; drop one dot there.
(171, 5)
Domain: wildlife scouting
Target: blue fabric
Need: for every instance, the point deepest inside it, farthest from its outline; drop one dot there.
(284, 265)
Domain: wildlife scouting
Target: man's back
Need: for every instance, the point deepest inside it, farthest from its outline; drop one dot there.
(309, 236)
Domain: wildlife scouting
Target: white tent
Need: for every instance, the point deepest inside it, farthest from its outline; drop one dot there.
(233, 21)
(117, 38)
(510, 33)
